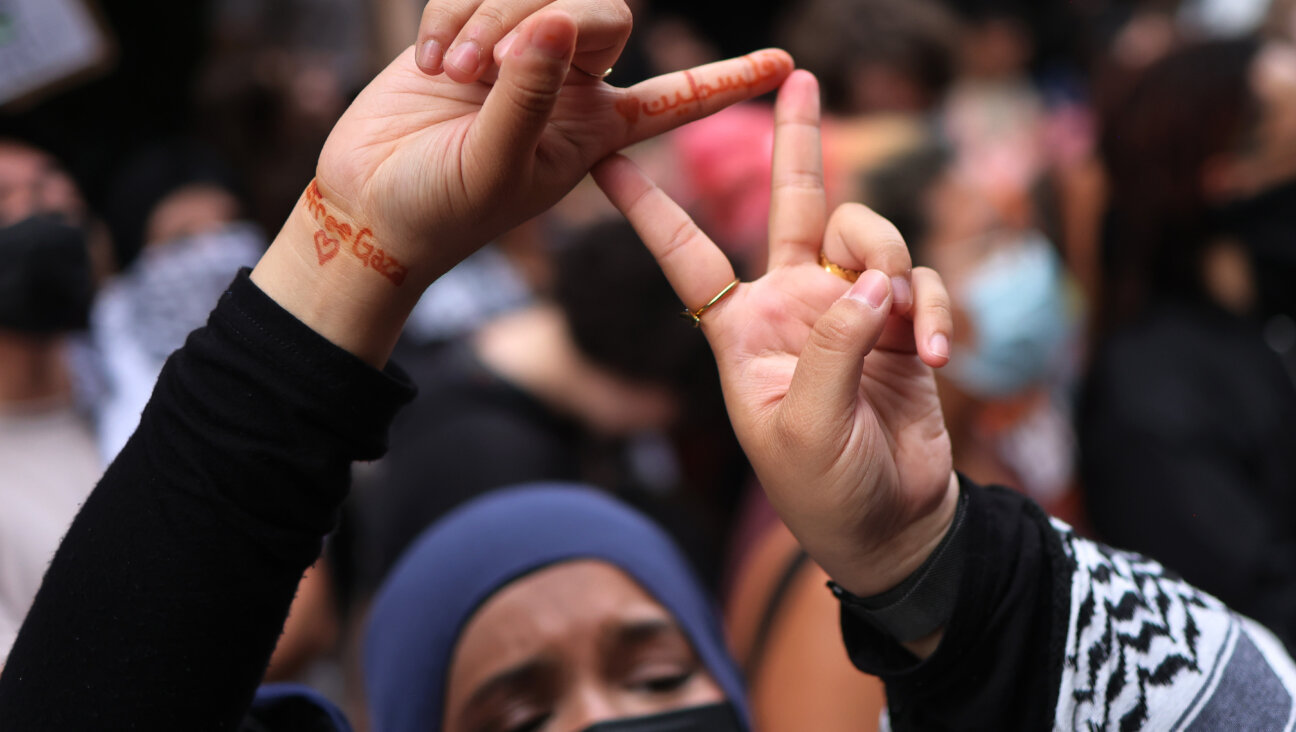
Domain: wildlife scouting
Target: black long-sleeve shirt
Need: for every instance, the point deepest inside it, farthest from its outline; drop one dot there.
(165, 599)
(163, 604)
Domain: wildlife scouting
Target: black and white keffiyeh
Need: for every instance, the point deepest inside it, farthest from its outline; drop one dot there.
(1147, 651)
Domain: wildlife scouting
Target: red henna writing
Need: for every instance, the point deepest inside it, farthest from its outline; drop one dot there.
(325, 248)
(362, 242)
(628, 108)
(760, 69)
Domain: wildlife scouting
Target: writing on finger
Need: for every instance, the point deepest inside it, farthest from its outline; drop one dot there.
(759, 68)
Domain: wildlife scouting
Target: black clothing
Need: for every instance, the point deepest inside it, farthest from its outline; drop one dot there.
(1000, 659)
(163, 604)
(167, 595)
(468, 431)
(1188, 454)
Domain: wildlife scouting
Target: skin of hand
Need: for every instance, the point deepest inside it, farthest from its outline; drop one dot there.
(829, 385)
(468, 39)
(431, 168)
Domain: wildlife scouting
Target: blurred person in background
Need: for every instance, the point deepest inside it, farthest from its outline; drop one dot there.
(275, 79)
(785, 632)
(1188, 421)
(94, 125)
(829, 386)
(177, 205)
(1007, 392)
(48, 460)
(875, 56)
(598, 383)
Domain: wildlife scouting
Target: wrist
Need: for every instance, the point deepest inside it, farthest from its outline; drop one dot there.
(333, 274)
(887, 565)
(916, 611)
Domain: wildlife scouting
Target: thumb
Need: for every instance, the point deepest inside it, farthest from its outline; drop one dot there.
(515, 113)
(827, 376)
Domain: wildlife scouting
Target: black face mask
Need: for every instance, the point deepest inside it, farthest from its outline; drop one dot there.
(45, 276)
(709, 718)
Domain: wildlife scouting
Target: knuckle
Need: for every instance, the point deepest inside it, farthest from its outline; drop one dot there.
(533, 97)
(436, 17)
(800, 180)
(685, 231)
(833, 332)
(489, 21)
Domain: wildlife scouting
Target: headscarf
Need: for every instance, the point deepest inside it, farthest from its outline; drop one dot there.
(481, 547)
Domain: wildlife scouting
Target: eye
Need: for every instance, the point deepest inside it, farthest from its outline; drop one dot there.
(514, 717)
(517, 720)
(662, 682)
(531, 725)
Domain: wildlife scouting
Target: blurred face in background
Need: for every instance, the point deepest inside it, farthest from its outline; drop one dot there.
(1271, 152)
(31, 182)
(191, 210)
(570, 646)
(52, 258)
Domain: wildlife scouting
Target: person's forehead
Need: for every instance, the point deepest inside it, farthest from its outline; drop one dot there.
(564, 609)
(19, 161)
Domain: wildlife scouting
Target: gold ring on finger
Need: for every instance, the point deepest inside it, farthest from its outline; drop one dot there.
(850, 275)
(696, 315)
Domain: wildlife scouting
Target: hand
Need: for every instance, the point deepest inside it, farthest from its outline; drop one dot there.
(421, 170)
(829, 385)
(463, 37)
(421, 158)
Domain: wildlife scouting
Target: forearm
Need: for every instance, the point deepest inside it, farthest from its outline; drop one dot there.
(164, 601)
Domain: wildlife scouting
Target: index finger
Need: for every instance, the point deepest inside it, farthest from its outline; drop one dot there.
(665, 102)
(694, 265)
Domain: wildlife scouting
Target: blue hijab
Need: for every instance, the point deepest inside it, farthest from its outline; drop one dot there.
(472, 553)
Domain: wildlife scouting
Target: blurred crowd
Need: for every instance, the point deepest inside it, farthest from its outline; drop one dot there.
(1108, 188)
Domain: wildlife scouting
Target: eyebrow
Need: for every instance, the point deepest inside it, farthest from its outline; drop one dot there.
(636, 632)
(529, 673)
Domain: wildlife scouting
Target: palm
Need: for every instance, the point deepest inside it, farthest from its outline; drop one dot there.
(759, 337)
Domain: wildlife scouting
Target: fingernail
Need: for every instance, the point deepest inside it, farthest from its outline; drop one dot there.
(939, 345)
(901, 291)
(429, 55)
(502, 48)
(549, 42)
(872, 288)
(465, 57)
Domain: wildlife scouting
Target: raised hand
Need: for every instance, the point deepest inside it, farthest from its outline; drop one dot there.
(421, 169)
(828, 384)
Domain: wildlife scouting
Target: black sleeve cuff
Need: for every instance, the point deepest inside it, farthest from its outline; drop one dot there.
(1000, 657)
(924, 602)
(286, 409)
(335, 387)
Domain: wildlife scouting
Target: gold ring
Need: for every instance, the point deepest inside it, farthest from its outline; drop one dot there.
(696, 315)
(850, 275)
(592, 75)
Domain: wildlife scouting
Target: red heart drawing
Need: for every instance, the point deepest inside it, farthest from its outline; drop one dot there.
(628, 107)
(325, 247)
